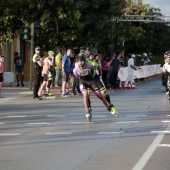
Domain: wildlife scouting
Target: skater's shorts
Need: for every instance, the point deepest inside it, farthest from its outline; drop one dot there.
(19, 71)
(1, 77)
(66, 77)
(45, 77)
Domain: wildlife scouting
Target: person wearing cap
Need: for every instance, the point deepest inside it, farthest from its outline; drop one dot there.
(37, 64)
(84, 71)
(130, 77)
(46, 74)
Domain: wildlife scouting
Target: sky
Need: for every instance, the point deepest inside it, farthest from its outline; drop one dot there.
(164, 5)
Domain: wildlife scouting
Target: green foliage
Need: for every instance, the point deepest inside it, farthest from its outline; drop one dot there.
(69, 23)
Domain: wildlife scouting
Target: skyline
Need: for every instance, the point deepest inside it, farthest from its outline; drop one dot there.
(164, 5)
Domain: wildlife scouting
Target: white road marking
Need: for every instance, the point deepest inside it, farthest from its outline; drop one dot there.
(81, 122)
(164, 145)
(147, 155)
(168, 115)
(39, 123)
(109, 133)
(10, 134)
(128, 122)
(166, 121)
(98, 116)
(161, 132)
(2, 123)
(59, 116)
(15, 116)
(59, 133)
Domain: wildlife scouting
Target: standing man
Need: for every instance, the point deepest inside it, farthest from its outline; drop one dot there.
(58, 67)
(114, 66)
(131, 67)
(66, 68)
(37, 62)
(19, 68)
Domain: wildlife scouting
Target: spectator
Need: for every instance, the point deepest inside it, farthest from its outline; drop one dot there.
(114, 66)
(105, 69)
(19, 68)
(145, 60)
(58, 66)
(66, 68)
(131, 67)
(37, 62)
(120, 57)
(76, 85)
(1, 73)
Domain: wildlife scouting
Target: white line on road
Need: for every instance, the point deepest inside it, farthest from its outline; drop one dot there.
(164, 145)
(15, 116)
(168, 115)
(81, 122)
(109, 133)
(59, 133)
(1, 123)
(39, 123)
(10, 134)
(147, 155)
(161, 132)
(58, 116)
(166, 121)
(128, 122)
(98, 116)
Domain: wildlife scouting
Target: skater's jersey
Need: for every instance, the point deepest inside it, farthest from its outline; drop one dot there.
(86, 73)
(166, 67)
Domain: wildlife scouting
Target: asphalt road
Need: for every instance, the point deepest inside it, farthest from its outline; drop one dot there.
(54, 134)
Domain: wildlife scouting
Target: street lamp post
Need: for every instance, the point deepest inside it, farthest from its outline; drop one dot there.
(31, 54)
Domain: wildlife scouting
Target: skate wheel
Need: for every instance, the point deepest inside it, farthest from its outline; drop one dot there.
(116, 114)
(89, 118)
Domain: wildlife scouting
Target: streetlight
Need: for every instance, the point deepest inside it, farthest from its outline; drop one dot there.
(31, 54)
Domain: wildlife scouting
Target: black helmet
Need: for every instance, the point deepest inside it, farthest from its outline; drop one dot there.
(167, 53)
(81, 58)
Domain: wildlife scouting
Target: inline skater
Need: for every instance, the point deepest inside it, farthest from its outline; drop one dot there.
(97, 75)
(47, 63)
(164, 77)
(85, 71)
(166, 71)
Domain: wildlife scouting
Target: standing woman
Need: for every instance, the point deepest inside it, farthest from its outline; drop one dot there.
(1, 73)
(105, 69)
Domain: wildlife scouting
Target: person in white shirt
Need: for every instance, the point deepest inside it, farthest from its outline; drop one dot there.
(166, 71)
(131, 67)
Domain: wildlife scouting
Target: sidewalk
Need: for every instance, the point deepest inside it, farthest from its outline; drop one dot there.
(15, 92)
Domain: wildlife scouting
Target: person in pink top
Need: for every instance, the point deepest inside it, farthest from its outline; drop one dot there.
(1, 72)
(105, 69)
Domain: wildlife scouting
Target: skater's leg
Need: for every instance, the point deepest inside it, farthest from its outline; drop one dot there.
(1, 89)
(41, 88)
(86, 100)
(102, 98)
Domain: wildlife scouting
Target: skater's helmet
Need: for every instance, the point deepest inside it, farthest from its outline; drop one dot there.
(51, 53)
(81, 58)
(133, 55)
(37, 48)
(166, 54)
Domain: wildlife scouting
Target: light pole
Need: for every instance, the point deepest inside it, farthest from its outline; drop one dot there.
(31, 55)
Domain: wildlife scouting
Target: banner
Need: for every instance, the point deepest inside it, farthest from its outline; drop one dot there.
(141, 72)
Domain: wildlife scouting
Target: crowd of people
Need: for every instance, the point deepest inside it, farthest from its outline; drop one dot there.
(63, 65)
